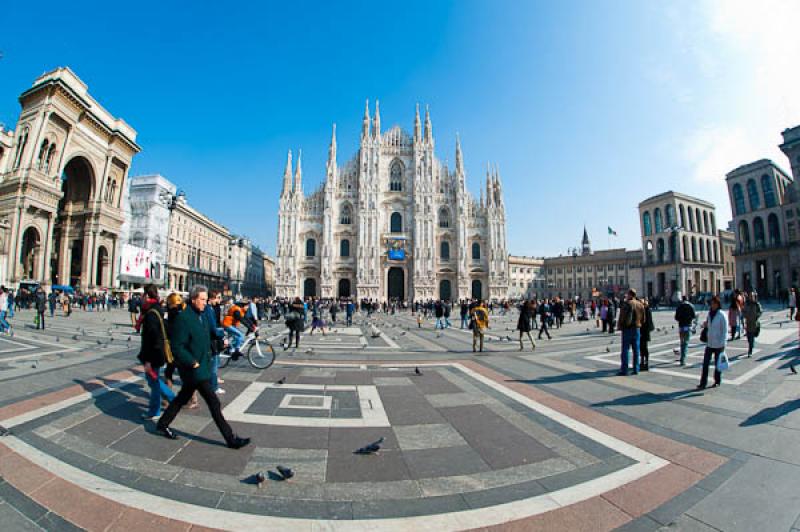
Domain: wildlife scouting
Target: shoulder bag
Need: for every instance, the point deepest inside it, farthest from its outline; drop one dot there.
(167, 349)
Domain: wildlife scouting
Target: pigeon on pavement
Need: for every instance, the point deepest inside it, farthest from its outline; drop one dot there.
(260, 478)
(417, 371)
(285, 472)
(282, 380)
(372, 448)
(4, 431)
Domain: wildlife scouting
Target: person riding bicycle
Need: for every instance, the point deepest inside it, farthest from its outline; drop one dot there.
(237, 315)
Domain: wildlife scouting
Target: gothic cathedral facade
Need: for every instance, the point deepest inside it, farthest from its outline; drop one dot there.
(392, 223)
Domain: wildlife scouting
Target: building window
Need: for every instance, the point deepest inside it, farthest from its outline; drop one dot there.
(396, 177)
(444, 218)
(23, 140)
(344, 248)
(648, 230)
(758, 232)
(444, 251)
(346, 217)
(773, 229)
(738, 199)
(670, 212)
(396, 223)
(657, 219)
(769, 193)
(476, 251)
(311, 247)
(752, 193)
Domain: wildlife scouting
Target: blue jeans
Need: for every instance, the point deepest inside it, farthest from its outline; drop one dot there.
(237, 337)
(464, 321)
(630, 338)
(157, 388)
(215, 372)
(439, 323)
(4, 325)
(685, 337)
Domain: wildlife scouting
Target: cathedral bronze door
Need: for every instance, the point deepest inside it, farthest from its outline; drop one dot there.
(445, 290)
(310, 288)
(396, 284)
(477, 289)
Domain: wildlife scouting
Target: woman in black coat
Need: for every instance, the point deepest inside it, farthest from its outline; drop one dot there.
(524, 323)
(644, 338)
(153, 356)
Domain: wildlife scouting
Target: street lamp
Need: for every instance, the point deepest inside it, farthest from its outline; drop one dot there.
(675, 233)
(170, 201)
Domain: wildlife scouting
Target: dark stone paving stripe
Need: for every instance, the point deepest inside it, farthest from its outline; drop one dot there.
(33, 510)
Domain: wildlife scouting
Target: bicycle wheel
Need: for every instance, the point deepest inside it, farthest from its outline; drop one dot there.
(260, 354)
(224, 359)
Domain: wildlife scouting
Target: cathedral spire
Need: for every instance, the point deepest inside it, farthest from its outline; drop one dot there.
(376, 130)
(365, 122)
(586, 247)
(287, 176)
(298, 174)
(332, 150)
(428, 126)
(489, 198)
(417, 127)
(459, 157)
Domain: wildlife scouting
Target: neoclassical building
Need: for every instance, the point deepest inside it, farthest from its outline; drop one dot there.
(392, 222)
(62, 172)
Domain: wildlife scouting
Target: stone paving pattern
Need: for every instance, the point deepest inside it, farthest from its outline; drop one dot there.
(454, 443)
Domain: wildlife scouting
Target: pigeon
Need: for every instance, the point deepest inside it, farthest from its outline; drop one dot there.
(285, 472)
(417, 371)
(282, 380)
(35, 364)
(792, 369)
(75, 337)
(4, 431)
(309, 351)
(129, 339)
(675, 351)
(259, 478)
(608, 350)
(403, 333)
(372, 448)
(99, 342)
(58, 339)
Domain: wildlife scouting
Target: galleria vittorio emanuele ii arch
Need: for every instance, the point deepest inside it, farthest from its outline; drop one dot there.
(62, 173)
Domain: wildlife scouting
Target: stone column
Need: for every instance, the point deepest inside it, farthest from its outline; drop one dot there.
(48, 243)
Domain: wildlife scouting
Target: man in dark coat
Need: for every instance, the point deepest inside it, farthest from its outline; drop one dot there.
(191, 347)
(41, 306)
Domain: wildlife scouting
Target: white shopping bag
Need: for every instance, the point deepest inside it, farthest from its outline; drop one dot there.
(722, 362)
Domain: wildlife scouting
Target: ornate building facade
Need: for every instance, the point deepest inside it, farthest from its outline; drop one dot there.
(392, 223)
(61, 181)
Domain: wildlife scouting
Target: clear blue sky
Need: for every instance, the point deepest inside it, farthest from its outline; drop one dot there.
(587, 107)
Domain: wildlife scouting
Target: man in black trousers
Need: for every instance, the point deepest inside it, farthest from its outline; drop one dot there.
(191, 347)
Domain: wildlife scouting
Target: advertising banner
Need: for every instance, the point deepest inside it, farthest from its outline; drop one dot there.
(136, 262)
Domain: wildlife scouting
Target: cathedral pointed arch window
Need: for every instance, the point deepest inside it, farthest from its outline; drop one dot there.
(476, 251)
(396, 223)
(444, 218)
(444, 250)
(396, 177)
(344, 248)
(346, 216)
(311, 247)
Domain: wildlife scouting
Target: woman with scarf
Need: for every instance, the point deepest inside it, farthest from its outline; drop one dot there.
(155, 352)
(717, 338)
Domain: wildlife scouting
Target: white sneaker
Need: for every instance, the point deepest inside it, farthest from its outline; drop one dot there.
(220, 391)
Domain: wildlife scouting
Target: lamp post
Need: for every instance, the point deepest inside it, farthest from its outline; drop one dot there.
(676, 256)
(170, 201)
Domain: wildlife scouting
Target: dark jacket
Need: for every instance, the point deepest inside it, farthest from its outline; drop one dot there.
(684, 314)
(41, 301)
(211, 315)
(648, 326)
(525, 315)
(631, 314)
(152, 349)
(191, 343)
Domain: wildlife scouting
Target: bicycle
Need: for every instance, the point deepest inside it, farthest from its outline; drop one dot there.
(258, 356)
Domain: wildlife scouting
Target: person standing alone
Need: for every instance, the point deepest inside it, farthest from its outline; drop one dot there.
(41, 306)
(717, 325)
(684, 315)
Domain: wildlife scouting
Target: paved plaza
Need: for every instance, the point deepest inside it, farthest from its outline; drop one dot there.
(501, 440)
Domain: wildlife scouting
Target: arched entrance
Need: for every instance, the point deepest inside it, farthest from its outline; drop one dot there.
(29, 254)
(310, 288)
(445, 289)
(344, 288)
(102, 266)
(71, 220)
(396, 284)
(477, 289)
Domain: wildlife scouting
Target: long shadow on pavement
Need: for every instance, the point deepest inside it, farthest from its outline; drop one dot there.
(567, 377)
(771, 414)
(649, 398)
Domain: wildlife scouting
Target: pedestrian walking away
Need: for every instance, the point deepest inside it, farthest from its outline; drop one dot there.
(524, 324)
(685, 316)
(752, 321)
(191, 347)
